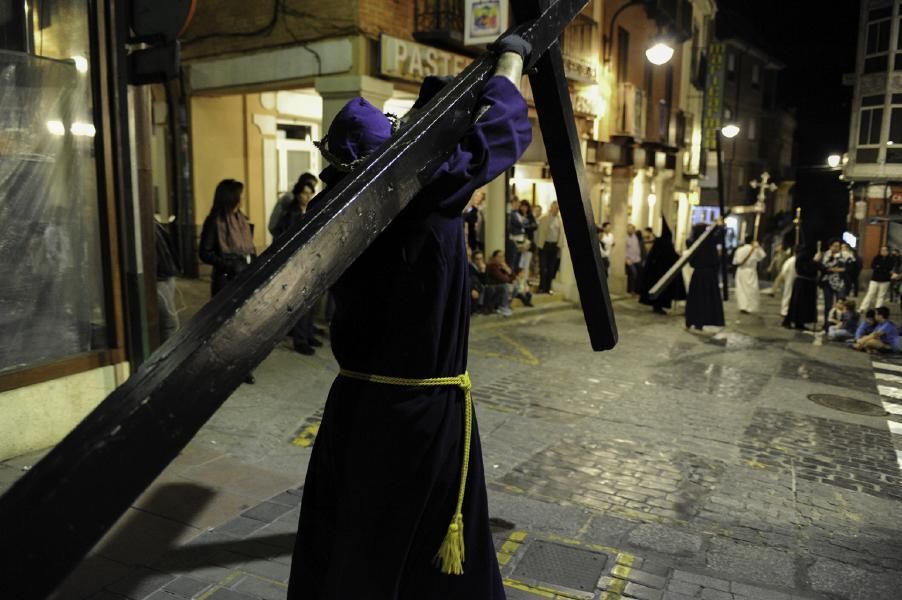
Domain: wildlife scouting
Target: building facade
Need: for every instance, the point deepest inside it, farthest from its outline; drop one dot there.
(73, 311)
(94, 159)
(261, 88)
(874, 165)
(742, 90)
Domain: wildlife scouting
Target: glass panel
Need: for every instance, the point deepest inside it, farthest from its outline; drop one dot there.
(880, 13)
(52, 297)
(895, 127)
(894, 155)
(872, 39)
(876, 64)
(864, 124)
(876, 100)
(883, 40)
(866, 155)
(876, 125)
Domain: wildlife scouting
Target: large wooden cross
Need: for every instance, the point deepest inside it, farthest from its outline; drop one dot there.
(57, 511)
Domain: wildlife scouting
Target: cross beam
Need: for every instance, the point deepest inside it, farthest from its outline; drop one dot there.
(677, 267)
(552, 97)
(56, 512)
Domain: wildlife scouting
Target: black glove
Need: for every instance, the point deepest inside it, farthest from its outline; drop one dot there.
(512, 43)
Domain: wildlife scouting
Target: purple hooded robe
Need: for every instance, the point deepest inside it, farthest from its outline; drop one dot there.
(383, 478)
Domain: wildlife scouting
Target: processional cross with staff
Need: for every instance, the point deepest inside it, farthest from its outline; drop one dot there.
(57, 511)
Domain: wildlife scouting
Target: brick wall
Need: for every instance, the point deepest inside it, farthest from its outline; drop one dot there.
(394, 17)
(298, 21)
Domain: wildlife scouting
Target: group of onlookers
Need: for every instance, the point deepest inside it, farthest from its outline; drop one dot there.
(227, 243)
(836, 272)
(530, 259)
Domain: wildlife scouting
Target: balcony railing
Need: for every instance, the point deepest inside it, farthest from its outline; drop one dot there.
(580, 62)
(439, 22)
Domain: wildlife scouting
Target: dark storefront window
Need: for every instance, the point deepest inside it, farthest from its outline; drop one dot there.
(52, 299)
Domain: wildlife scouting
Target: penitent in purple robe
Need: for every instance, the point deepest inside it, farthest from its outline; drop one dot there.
(383, 478)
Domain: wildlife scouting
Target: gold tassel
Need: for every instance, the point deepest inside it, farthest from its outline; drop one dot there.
(450, 556)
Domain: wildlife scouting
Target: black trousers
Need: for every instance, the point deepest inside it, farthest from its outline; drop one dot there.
(548, 265)
(302, 332)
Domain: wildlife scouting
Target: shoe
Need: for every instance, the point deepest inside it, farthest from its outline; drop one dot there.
(319, 331)
(250, 379)
(304, 349)
(315, 342)
(504, 311)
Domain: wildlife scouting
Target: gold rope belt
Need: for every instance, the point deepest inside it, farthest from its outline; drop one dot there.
(450, 556)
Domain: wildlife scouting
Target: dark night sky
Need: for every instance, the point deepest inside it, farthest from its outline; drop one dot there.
(816, 41)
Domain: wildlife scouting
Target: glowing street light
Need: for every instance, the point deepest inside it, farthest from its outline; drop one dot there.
(833, 160)
(81, 64)
(659, 54)
(730, 130)
(56, 127)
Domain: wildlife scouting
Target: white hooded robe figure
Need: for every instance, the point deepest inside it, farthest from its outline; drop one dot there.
(746, 259)
(789, 276)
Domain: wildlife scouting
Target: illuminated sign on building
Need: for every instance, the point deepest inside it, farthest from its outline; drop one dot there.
(402, 59)
(713, 96)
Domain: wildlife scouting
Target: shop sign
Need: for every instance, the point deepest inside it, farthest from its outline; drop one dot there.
(484, 21)
(711, 119)
(402, 59)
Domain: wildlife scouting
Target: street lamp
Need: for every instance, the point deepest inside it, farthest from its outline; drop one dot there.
(833, 160)
(730, 130)
(659, 54)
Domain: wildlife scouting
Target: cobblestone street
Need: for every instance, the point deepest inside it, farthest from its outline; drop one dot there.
(676, 466)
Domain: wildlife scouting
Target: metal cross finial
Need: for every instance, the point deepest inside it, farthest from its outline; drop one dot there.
(763, 185)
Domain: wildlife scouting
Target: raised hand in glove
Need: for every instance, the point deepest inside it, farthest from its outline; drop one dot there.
(512, 43)
(513, 51)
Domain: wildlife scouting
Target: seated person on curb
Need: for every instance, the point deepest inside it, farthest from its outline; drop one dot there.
(835, 316)
(498, 271)
(846, 327)
(884, 337)
(486, 297)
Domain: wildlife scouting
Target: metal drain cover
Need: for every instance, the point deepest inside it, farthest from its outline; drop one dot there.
(849, 405)
(515, 594)
(563, 566)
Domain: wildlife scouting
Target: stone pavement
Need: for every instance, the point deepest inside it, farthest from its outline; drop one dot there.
(676, 466)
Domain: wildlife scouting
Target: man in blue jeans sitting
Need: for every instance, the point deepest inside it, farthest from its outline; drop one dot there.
(884, 337)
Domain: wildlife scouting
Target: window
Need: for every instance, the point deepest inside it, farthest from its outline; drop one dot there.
(727, 114)
(756, 76)
(731, 66)
(753, 130)
(623, 54)
(869, 126)
(894, 141)
(877, 45)
(54, 282)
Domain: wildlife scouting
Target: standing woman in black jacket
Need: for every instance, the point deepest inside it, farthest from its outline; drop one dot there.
(227, 238)
(881, 275)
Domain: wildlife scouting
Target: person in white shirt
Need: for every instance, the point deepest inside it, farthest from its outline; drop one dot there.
(746, 259)
(788, 273)
(549, 242)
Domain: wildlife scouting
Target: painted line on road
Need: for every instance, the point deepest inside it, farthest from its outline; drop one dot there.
(890, 392)
(888, 377)
(891, 398)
